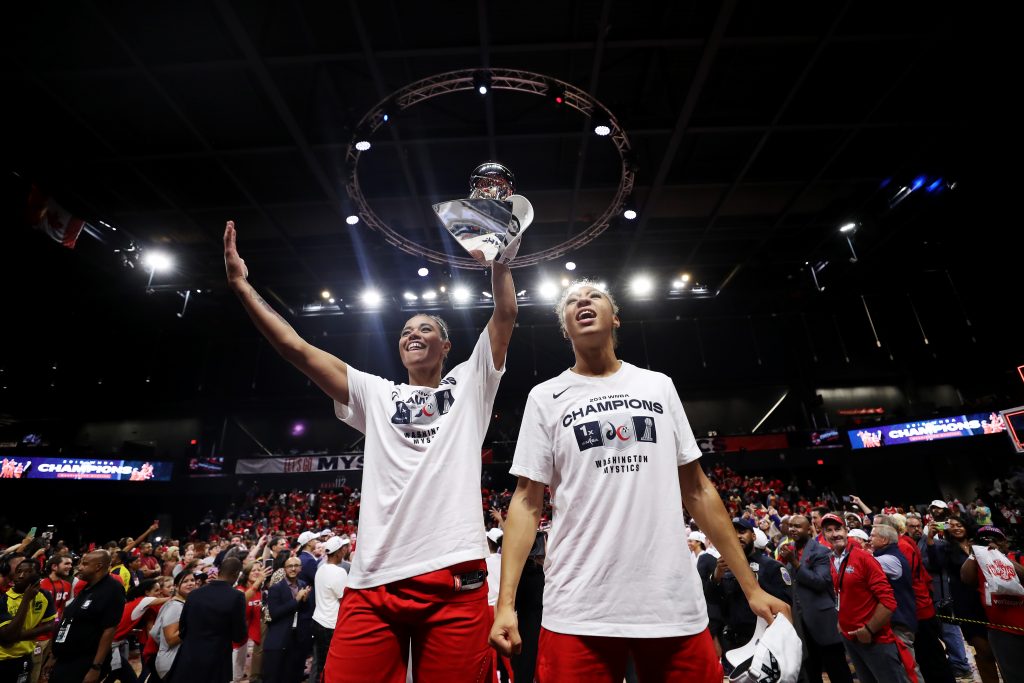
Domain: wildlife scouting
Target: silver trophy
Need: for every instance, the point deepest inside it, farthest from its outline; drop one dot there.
(490, 223)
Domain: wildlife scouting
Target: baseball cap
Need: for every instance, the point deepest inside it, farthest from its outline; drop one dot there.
(326, 532)
(698, 536)
(307, 536)
(859, 533)
(334, 544)
(760, 539)
(832, 517)
(495, 534)
(742, 523)
(772, 655)
(938, 504)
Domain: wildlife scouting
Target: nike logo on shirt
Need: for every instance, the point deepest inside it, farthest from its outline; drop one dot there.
(560, 393)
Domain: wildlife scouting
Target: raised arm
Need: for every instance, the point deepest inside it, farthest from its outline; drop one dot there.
(503, 320)
(328, 372)
(141, 537)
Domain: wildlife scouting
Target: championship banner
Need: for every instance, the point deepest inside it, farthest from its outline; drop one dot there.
(19, 467)
(303, 465)
(927, 430)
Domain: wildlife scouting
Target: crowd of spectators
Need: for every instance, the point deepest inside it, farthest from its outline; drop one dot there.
(287, 537)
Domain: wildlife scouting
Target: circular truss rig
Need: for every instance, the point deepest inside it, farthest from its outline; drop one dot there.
(500, 79)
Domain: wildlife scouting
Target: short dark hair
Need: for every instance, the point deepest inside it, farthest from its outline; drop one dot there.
(54, 561)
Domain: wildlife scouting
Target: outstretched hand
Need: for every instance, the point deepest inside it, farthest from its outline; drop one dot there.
(233, 263)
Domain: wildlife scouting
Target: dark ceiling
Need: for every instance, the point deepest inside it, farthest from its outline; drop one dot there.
(758, 130)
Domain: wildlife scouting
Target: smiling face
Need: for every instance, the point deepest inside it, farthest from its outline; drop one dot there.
(423, 343)
(588, 315)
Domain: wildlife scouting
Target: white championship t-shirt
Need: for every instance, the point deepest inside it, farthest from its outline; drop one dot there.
(420, 508)
(610, 449)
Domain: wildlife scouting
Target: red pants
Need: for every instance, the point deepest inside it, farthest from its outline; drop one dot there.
(566, 658)
(447, 631)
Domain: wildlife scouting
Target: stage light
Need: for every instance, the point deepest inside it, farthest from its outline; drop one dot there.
(565, 282)
(557, 93)
(918, 182)
(460, 294)
(685, 277)
(298, 429)
(157, 261)
(602, 124)
(548, 290)
(482, 82)
(678, 284)
(429, 295)
(352, 219)
(934, 186)
(362, 145)
(569, 265)
(331, 300)
(487, 295)
(325, 294)
(641, 285)
(423, 272)
(385, 118)
(371, 297)
(849, 227)
(409, 296)
(443, 289)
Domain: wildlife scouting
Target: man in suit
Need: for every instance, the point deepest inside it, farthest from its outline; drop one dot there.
(289, 637)
(213, 618)
(814, 603)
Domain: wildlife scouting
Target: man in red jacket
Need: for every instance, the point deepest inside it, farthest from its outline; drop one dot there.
(865, 601)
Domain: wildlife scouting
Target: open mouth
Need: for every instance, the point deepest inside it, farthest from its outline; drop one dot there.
(585, 314)
(415, 346)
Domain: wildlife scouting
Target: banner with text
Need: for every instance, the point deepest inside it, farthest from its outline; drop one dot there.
(300, 465)
(927, 430)
(20, 467)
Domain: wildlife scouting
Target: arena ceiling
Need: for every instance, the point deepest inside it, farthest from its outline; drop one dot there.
(757, 131)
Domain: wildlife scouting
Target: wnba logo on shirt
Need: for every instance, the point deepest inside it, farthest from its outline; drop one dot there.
(618, 431)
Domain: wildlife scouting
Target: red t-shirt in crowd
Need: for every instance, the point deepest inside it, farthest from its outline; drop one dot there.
(253, 617)
(61, 592)
(1005, 610)
(860, 585)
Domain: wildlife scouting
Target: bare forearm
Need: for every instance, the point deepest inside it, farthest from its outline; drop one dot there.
(104, 647)
(504, 291)
(519, 534)
(705, 505)
(269, 322)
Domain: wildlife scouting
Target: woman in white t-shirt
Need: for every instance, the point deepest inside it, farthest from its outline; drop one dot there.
(419, 575)
(165, 628)
(613, 443)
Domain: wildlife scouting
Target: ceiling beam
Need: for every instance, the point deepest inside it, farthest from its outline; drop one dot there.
(763, 140)
(714, 43)
(840, 148)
